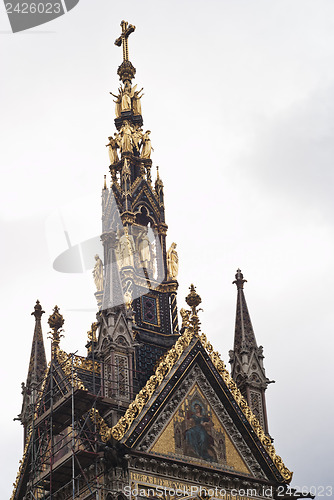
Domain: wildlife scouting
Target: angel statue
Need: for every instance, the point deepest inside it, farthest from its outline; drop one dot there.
(136, 104)
(118, 104)
(98, 273)
(137, 136)
(172, 262)
(147, 148)
(112, 150)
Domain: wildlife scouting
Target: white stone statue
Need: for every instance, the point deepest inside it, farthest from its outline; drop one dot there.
(98, 274)
(144, 247)
(172, 262)
(126, 249)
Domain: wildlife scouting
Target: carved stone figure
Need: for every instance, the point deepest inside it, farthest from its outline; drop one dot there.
(126, 248)
(172, 262)
(136, 104)
(147, 148)
(112, 150)
(126, 134)
(98, 274)
(144, 247)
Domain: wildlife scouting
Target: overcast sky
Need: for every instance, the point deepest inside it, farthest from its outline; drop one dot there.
(239, 97)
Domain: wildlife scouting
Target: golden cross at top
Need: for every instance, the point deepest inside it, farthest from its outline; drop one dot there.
(127, 29)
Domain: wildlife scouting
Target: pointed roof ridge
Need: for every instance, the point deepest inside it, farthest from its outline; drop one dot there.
(244, 336)
(38, 363)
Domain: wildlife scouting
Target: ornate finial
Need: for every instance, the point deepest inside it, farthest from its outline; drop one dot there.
(239, 280)
(38, 310)
(158, 182)
(190, 318)
(125, 71)
(56, 321)
(193, 299)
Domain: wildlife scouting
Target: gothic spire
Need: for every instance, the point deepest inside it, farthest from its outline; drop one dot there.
(247, 358)
(38, 364)
(244, 338)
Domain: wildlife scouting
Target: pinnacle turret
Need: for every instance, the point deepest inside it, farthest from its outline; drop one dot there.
(247, 358)
(36, 371)
(38, 364)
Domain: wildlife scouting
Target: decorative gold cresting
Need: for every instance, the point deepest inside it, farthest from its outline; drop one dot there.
(56, 321)
(92, 332)
(191, 331)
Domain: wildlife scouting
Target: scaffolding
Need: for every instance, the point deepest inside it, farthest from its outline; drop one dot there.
(66, 450)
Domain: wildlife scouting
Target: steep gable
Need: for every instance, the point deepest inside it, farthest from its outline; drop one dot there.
(159, 410)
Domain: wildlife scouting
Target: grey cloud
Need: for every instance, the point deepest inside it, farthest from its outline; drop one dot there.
(294, 155)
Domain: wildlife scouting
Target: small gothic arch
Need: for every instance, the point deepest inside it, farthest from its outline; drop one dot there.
(144, 214)
(121, 341)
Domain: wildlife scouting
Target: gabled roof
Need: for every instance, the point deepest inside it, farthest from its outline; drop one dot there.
(191, 347)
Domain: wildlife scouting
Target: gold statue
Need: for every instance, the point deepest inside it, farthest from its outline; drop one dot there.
(136, 104)
(98, 273)
(112, 150)
(147, 148)
(126, 133)
(118, 103)
(126, 248)
(172, 262)
(144, 247)
(127, 94)
(137, 136)
(128, 299)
